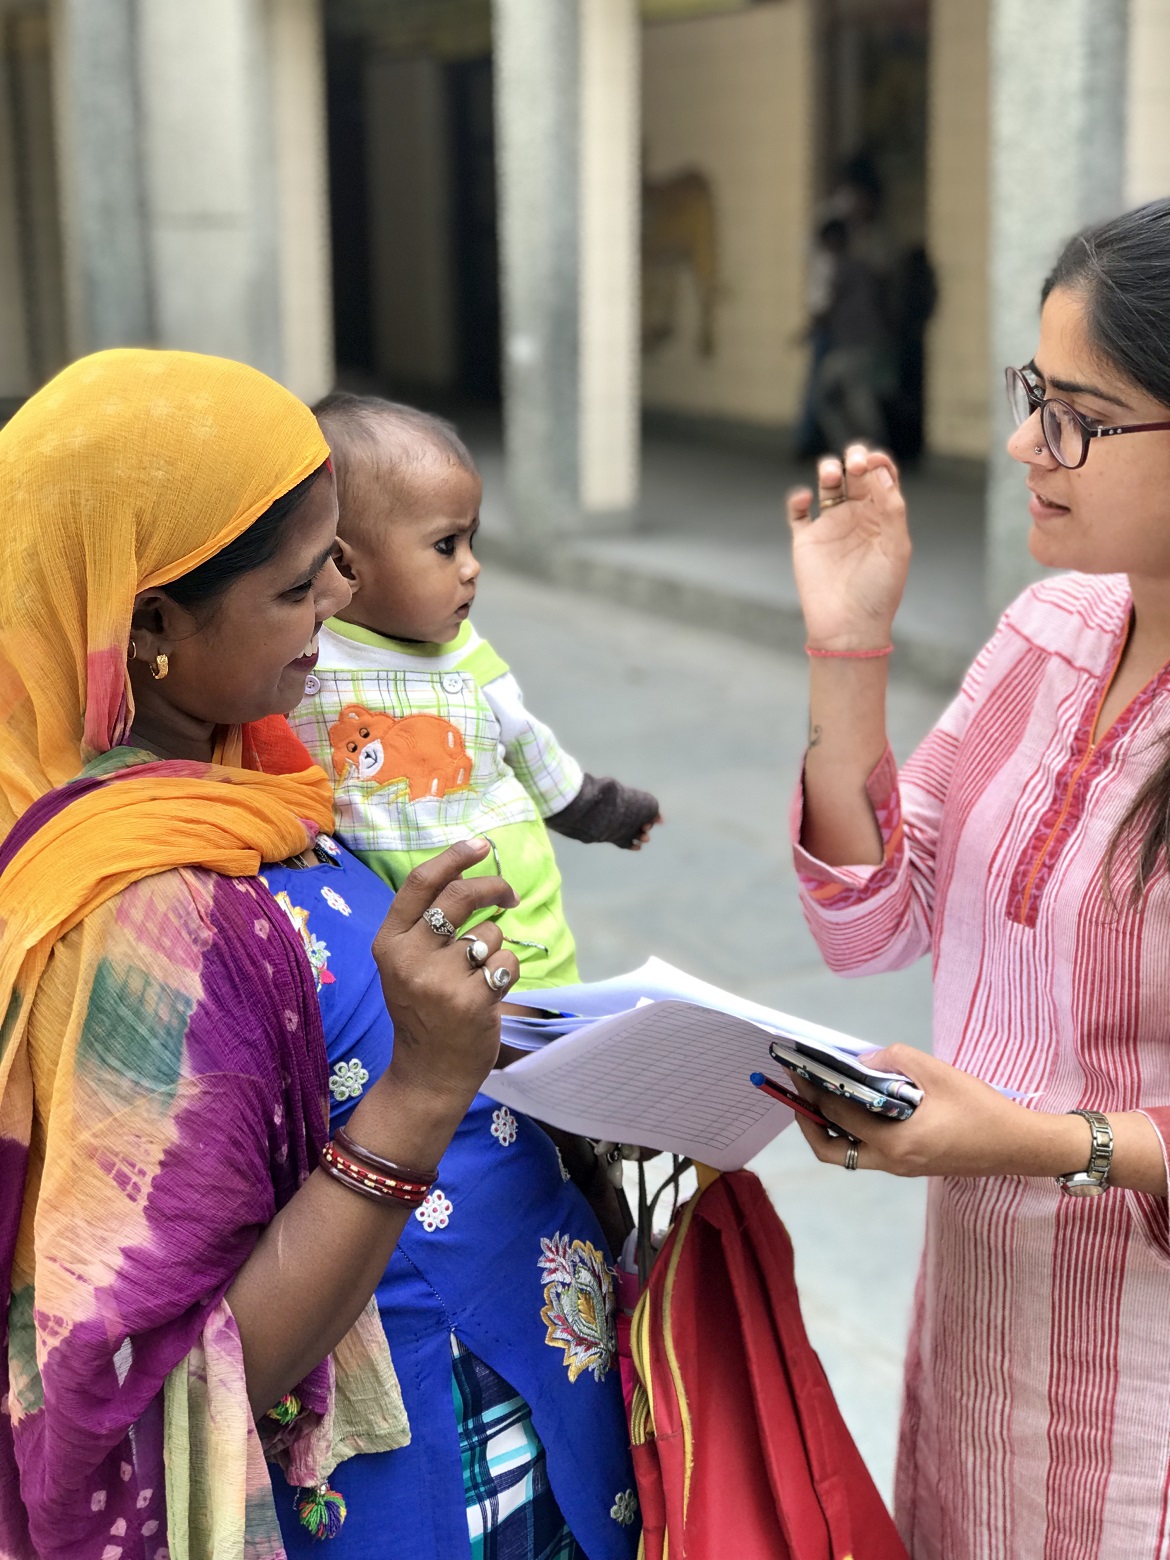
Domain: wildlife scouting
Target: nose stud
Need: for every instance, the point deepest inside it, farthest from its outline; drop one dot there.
(1037, 449)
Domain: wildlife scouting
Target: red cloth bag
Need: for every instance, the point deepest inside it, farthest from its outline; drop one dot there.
(739, 1446)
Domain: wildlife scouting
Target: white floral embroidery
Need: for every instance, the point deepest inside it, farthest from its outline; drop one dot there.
(329, 846)
(624, 1508)
(334, 900)
(504, 1126)
(434, 1212)
(347, 1080)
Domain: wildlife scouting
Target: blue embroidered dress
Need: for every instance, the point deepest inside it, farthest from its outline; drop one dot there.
(498, 1305)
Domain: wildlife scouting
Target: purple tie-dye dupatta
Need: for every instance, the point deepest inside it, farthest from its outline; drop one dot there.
(177, 1034)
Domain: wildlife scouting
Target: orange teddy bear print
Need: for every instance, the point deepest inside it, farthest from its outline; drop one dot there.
(424, 750)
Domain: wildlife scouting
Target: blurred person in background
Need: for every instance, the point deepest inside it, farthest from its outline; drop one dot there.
(1025, 846)
(856, 371)
(818, 295)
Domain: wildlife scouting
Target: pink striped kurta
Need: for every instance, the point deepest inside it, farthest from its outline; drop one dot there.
(1036, 1422)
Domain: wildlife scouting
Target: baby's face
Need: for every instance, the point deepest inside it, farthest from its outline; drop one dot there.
(414, 570)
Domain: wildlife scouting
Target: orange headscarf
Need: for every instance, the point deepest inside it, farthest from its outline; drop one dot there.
(127, 470)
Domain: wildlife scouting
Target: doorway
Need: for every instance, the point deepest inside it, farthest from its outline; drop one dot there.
(413, 204)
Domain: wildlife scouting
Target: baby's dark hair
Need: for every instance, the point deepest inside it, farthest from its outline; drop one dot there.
(395, 439)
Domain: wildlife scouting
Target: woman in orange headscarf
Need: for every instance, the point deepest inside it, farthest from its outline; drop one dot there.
(183, 1256)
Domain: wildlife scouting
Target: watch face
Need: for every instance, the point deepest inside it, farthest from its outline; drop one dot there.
(1081, 1185)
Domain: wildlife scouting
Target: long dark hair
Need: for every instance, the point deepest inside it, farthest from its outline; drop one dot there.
(1121, 269)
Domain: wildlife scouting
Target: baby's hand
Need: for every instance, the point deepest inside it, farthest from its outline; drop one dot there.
(644, 834)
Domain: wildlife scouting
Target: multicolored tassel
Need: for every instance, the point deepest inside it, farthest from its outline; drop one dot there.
(287, 1410)
(322, 1511)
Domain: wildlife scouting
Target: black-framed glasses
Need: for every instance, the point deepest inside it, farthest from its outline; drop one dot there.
(1066, 432)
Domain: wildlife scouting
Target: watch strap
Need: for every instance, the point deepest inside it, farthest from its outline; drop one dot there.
(1096, 1173)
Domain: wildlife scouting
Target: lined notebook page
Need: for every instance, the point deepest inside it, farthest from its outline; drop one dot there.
(667, 1075)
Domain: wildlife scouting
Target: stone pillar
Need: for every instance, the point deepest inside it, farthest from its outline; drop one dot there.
(296, 47)
(37, 228)
(1147, 172)
(15, 368)
(610, 262)
(208, 154)
(1058, 99)
(536, 66)
(98, 123)
(193, 184)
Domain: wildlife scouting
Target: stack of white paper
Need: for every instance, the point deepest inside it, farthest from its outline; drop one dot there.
(664, 1063)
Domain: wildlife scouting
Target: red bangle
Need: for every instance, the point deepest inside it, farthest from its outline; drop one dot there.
(369, 1183)
(365, 1157)
(848, 655)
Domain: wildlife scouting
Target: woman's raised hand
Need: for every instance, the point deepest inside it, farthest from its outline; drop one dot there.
(446, 1014)
(851, 561)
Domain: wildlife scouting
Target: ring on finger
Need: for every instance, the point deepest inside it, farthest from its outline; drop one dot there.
(851, 1157)
(438, 922)
(477, 950)
(831, 503)
(498, 979)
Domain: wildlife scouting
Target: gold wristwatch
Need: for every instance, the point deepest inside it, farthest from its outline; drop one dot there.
(1094, 1180)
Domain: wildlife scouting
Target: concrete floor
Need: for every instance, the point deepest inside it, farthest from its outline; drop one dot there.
(715, 726)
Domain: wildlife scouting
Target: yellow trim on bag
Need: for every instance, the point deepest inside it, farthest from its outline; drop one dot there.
(671, 1355)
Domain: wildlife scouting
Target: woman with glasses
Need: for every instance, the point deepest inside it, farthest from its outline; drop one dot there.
(1024, 847)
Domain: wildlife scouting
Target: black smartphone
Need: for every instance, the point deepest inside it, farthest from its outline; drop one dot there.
(818, 1072)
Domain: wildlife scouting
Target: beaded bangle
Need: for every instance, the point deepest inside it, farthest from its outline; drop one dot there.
(365, 1157)
(369, 1183)
(848, 655)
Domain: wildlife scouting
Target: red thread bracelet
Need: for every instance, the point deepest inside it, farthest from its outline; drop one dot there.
(848, 655)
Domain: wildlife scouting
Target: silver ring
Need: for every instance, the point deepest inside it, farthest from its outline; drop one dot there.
(498, 980)
(438, 922)
(851, 1157)
(478, 951)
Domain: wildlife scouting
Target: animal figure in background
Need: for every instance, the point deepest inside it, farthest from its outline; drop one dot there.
(678, 232)
(424, 750)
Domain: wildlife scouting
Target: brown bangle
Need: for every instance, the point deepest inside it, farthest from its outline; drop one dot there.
(369, 1183)
(364, 1157)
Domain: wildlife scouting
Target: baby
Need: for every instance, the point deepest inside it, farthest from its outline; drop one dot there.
(414, 715)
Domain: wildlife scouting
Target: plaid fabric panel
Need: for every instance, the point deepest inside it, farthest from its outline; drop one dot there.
(512, 1513)
(551, 776)
(378, 813)
(545, 769)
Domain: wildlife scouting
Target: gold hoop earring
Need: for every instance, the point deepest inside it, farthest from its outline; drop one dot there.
(160, 666)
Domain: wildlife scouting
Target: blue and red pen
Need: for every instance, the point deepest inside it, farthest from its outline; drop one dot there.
(789, 1097)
